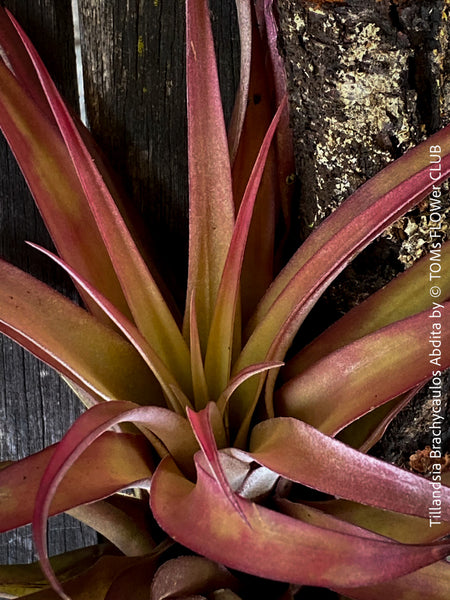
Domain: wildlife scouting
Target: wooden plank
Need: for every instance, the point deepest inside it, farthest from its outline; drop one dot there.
(133, 57)
(35, 407)
(134, 75)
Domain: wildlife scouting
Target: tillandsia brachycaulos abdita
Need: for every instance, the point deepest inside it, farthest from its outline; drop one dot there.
(202, 415)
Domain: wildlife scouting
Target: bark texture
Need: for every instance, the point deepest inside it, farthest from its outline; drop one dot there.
(368, 80)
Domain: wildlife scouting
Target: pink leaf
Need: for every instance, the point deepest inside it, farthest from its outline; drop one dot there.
(88, 428)
(303, 454)
(353, 380)
(110, 464)
(274, 546)
(211, 210)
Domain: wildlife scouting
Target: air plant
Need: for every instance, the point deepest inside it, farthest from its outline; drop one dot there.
(201, 417)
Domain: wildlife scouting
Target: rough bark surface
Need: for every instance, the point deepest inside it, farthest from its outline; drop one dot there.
(134, 62)
(368, 80)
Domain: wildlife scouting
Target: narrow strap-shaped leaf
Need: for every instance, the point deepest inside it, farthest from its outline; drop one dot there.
(80, 437)
(263, 97)
(220, 341)
(50, 175)
(239, 379)
(211, 210)
(148, 354)
(145, 300)
(18, 61)
(353, 380)
(99, 581)
(72, 341)
(21, 579)
(202, 428)
(303, 454)
(310, 514)
(109, 465)
(402, 528)
(363, 216)
(274, 546)
(365, 432)
(347, 231)
(200, 386)
(240, 106)
(402, 297)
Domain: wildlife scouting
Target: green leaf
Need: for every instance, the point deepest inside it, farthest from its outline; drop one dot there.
(19, 580)
(220, 340)
(403, 528)
(72, 341)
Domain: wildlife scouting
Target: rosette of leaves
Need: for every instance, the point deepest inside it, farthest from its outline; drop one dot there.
(200, 415)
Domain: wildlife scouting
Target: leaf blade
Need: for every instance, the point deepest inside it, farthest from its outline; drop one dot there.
(201, 518)
(211, 210)
(353, 380)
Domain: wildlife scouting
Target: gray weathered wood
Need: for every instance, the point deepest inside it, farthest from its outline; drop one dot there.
(35, 407)
(133, 57)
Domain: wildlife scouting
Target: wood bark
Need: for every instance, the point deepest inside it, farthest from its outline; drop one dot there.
(368, 80)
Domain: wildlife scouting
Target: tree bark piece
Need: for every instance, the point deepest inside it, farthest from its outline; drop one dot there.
(368, 80)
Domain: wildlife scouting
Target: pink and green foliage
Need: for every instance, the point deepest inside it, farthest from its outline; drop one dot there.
(205, 421)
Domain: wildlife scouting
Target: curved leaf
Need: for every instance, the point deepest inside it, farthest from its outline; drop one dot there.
(52, 179)
(402, 297)
(72, 341)
(154, 362)
(353, 380)
(83, 433)
(303, 454)
(149, 310)
(187, 575)
(100, 580)
(200, 517)
(19, 580)
(112, 463)
(347, 231)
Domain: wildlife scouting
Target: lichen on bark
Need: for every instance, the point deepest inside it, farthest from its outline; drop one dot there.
(368, 80)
